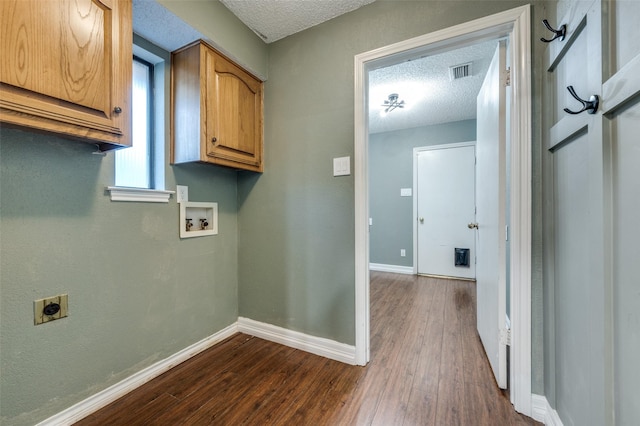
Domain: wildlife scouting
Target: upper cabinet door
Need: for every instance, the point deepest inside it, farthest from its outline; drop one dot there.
(234, 113)
(66, 67)
(216, 110)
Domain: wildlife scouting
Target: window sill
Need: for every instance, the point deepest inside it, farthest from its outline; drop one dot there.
(120, 193)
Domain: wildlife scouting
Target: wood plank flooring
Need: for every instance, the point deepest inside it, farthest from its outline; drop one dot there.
(427, 368)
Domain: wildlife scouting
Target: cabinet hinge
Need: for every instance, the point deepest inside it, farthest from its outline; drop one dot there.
(507, 77)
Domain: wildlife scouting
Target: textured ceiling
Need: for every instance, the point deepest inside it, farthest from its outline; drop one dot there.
(429, 94)
(276, 19)
(422, 82)
(155, 23)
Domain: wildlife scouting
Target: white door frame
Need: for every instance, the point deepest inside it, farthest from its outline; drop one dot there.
(416, 150)
(514, 23)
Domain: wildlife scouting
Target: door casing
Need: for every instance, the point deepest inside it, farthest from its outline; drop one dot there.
(515, 24)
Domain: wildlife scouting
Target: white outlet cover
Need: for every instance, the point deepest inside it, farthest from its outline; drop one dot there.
(405, 192)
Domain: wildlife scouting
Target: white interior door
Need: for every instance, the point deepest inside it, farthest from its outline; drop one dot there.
(445, 185)
(490, 215)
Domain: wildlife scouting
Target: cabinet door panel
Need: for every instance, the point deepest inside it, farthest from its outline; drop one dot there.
(67, 66)
(234, 113)
(70, 52)
(237, 114)
(228, 102)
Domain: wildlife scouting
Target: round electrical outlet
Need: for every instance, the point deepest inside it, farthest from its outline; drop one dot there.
(51, 309)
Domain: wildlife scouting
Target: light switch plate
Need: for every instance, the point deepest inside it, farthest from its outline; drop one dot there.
(342, 166)
(405, 192)
(182, 193)
(39, 317)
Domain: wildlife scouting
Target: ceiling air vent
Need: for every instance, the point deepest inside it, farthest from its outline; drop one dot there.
(460, 71)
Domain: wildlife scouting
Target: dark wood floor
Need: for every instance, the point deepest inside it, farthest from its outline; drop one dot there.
(427, 368)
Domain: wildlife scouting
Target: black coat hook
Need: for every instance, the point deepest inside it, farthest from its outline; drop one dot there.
(591, 106)
(559, 33)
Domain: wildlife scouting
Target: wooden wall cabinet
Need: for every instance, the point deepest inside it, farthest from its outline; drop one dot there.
(66, 68)
(216, 110)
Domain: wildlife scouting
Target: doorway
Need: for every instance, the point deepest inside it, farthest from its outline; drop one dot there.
(445, 210)
(459, 206)
(515, 25)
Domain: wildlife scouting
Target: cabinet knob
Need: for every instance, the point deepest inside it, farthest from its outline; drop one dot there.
(117, 110)
(214, 139)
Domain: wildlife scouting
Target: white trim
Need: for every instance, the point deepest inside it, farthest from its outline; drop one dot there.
(101, 399)
(516, 23)
(397, 269)
(120, 193)
(198, 211)
(294, 339)
(361, 210)
(315, 345)
(520, 226)
(614, 93)
(542, 411)
(539, 406)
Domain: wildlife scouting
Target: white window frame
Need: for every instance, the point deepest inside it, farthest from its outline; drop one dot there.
(160, 59)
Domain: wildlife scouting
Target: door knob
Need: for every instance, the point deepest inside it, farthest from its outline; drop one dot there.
(422, 220)
(473, 225)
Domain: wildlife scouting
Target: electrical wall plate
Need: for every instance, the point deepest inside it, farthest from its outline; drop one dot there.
(182, 193)
(405, 192)
(342, 166)
(50, 309)
(198, 219)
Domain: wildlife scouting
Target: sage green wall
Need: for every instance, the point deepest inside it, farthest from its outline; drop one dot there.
(137, 293)
(225, 31)
(296, 222)
(391, 168)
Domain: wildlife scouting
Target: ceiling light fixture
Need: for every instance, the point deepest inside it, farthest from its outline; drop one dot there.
(392, 103)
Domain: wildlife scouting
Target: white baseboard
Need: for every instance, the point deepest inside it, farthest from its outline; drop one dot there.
(101, 399)
(315, 345)
(542, 411)
(407, 270)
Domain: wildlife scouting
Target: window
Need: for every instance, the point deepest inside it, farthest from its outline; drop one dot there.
(139, 169)
(134, 165)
